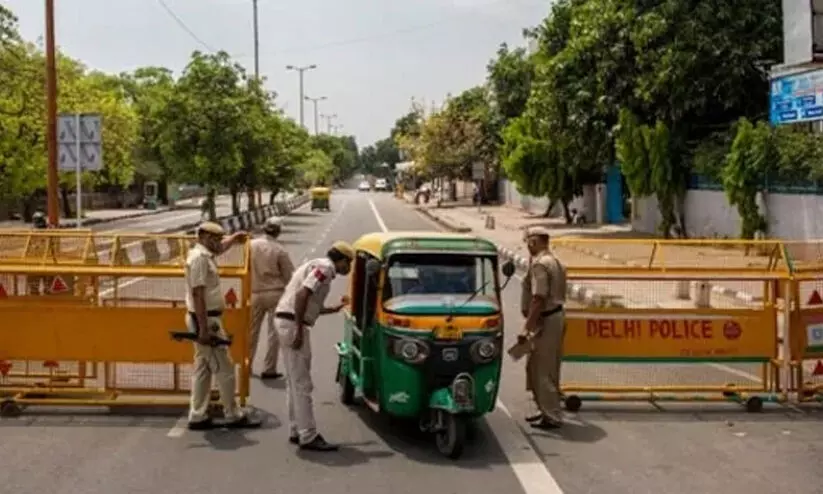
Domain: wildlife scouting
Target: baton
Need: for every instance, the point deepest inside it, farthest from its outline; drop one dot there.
(189, 336)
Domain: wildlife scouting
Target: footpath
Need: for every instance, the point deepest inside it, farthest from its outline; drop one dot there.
(606, 246)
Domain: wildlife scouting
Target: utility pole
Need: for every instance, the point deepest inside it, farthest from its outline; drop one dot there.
(256, 43)
(53, 207)
(300, 71)
(315, 101)
(328, 119)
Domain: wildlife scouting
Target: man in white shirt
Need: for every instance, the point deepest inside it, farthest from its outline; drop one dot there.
(205, 303)
(299, 308)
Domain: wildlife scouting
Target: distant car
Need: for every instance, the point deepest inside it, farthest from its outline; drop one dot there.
(364, 186)
(381, 184)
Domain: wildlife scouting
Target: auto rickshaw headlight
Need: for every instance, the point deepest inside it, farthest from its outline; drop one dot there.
(485, 350)
(410, 350)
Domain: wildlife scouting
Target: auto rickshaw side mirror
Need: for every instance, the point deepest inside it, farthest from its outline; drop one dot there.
(373, 267)
(508, 269)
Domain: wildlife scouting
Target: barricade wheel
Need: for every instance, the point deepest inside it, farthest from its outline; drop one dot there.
(808, 392)
(10, 409)
(573, 403)
(216, 411)
(754, 404)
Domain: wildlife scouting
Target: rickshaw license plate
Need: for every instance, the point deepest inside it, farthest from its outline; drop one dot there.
(448, 333)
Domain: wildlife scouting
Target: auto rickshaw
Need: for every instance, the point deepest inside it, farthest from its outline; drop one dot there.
(320, 198)
(423, 334)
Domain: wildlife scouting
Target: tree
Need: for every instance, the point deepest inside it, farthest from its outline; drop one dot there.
(203, 124)
(510, 77)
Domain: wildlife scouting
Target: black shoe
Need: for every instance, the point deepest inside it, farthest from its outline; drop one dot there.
(319, 444)
(201, 425)
(271, 375)
(546, 424)
(244, 422)
(294, 439)
(535, 417)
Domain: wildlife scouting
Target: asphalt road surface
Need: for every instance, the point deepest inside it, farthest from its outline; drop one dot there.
(606, 448)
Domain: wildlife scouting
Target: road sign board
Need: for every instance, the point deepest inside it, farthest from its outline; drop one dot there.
(90, 128)
(91, 157)
(815, 298)
(58, 285)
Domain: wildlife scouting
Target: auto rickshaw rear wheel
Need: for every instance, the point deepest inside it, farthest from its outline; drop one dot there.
(451, 438)
(345, 384)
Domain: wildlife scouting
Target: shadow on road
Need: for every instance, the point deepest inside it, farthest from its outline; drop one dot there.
(405, 437)
(350, 454)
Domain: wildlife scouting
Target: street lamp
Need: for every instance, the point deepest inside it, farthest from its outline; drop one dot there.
(315, 101)
(328, 119)
(256, 43)
(300, 71)
(51, 118)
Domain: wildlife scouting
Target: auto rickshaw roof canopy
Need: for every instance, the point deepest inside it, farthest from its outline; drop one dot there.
(380, 244)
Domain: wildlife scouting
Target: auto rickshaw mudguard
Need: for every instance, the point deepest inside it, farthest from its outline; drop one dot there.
(442, 399)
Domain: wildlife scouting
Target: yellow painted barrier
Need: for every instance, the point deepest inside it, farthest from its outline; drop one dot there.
(658, 325)
(105, 341)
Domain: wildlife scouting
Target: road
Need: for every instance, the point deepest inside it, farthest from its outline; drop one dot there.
(606, 448)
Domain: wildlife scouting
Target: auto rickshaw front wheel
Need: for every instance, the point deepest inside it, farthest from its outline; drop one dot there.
(345, 384)
(451, 437)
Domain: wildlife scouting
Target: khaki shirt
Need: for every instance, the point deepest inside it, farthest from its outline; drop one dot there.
(546, 277)
(201, 270)
(271, 268)
(316, 275)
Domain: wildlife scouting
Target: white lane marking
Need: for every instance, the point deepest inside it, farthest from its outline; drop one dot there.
(178, 429)
(377, 216)
(532, 473)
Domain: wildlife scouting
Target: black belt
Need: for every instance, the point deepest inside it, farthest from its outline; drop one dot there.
(551, 312)
(209, 313)
(288, 316)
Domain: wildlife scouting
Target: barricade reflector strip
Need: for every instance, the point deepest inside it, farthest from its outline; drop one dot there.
(58, 285)
(815, 298)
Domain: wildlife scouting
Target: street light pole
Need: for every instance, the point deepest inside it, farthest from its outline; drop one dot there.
(53, 207)
(300, 71)
(315, 101)
(329, 119)
(256, 43)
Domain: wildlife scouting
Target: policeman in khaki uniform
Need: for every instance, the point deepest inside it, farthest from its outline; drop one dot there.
(299, 308)
(271, 270)
(204, 303)
(544, 293)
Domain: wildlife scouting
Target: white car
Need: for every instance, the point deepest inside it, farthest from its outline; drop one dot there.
(364, 186)
(381, 184)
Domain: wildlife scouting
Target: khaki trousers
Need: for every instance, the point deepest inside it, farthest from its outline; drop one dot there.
(543, 366)
(262, 305)
(211, 361)
(299, 385)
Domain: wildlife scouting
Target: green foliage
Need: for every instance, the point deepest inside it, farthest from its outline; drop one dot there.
(213, 126)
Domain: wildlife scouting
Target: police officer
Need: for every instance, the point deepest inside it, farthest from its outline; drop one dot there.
(204, 303)
(544, 293)
(296, 313)
(271, 270)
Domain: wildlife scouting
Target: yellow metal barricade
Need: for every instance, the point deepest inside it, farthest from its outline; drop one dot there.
(658, 327)
(806, 336)
(115, 322)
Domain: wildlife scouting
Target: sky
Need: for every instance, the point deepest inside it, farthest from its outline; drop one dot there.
(372, 56)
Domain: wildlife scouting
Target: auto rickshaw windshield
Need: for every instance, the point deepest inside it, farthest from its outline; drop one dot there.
(421, 274)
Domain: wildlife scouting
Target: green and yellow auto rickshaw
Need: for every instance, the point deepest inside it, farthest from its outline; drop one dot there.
(424, 332)
(320, 198)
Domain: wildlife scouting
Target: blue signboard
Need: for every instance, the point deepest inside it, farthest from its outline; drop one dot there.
(796, 98)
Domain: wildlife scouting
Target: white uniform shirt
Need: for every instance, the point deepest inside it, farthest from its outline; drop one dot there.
(201, 270)
(316, 275)
(271, 268)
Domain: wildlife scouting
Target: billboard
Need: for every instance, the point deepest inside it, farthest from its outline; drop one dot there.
(796, 98)
(797, 31)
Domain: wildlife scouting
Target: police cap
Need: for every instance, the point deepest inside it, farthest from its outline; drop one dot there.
(210, 227)
(273, 225)
(538, 231)
(344, 249)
